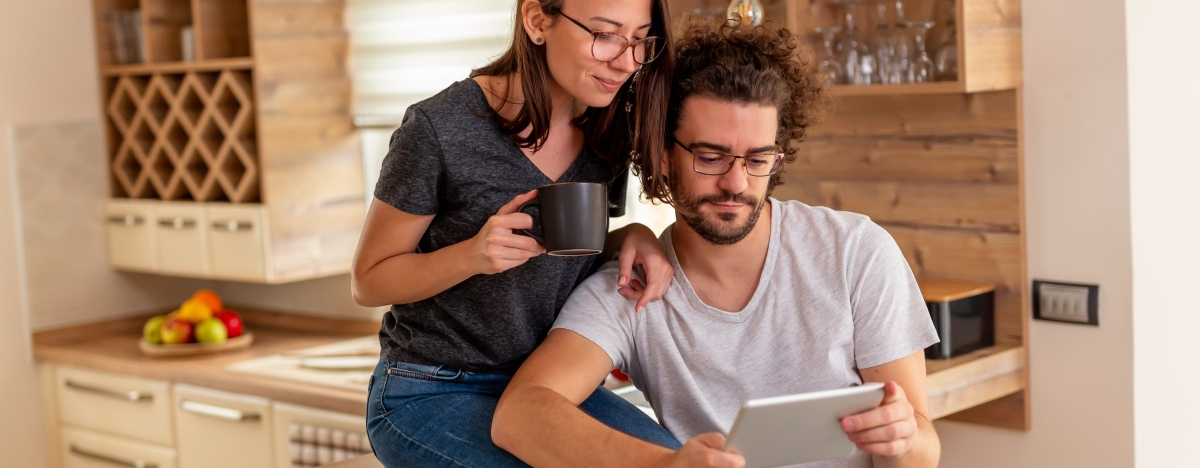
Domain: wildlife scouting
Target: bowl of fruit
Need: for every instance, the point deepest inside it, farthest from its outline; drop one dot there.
(201, 325)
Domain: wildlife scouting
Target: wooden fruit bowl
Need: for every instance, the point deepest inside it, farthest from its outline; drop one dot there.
(194, 349)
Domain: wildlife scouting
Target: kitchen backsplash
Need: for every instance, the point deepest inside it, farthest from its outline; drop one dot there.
(61, 191)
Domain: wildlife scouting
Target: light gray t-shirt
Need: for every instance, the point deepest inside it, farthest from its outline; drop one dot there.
(835, 296)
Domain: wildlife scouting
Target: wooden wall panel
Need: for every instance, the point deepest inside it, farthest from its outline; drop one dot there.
(956, 206)
(311, 151)
(992, 44)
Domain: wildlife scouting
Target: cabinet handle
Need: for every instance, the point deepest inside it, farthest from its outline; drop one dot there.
(128, 395)
(112, 460)
(126, 220)
(232, 225)
(218, 412)
(177, 223)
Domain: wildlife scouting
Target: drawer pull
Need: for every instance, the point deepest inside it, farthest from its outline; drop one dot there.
(232, 225)
(218, 412)
(112, 460)
(129, 395)
(126, 220)
(177, 223)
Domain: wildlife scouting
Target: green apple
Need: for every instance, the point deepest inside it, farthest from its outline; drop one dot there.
(211, 331)
(152, 330)
(176, 331)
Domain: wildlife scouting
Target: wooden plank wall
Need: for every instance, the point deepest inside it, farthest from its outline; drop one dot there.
(941, 173)
(311, 151)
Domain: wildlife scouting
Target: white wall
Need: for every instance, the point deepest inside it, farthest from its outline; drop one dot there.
(1078, 215)
(54, 80)
(1164, 122)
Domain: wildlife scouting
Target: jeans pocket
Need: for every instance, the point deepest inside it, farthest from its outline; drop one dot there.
(423, 372)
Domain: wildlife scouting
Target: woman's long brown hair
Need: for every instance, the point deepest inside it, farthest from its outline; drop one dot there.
(608, 131)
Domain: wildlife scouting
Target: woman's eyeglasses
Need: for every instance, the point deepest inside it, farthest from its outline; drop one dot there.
(607, 46)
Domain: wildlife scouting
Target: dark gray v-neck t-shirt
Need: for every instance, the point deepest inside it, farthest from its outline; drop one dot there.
(450, 160)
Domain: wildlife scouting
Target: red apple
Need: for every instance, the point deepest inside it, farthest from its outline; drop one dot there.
(176, 331)
(233, 322)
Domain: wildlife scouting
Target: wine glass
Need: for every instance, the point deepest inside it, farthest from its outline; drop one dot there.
(860, 66)
(945, 46)
(921, 69)
(829, 66)
(882, 42)
(748, 11)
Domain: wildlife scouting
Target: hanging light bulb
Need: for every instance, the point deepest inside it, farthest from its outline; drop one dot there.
(750, 11)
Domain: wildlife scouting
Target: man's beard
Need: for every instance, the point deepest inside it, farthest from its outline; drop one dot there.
(721, 231)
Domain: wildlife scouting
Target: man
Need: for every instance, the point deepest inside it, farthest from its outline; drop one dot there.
(769, 298)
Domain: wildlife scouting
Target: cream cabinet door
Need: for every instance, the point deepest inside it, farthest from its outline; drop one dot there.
(130, 230)
(182, 239)
(237, 240)
(116, 404)
(87, 449)
(221, 429)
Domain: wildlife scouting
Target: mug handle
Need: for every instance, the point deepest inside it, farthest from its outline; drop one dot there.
(521, 209)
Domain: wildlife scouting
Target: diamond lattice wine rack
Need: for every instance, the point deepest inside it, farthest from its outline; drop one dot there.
(183, 136)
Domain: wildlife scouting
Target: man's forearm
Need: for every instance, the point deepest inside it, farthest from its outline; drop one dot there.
(925, 451)
(544, 429)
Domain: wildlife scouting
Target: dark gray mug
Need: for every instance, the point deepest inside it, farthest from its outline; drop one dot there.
(574, 218)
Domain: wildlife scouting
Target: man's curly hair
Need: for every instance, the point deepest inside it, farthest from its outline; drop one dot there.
(742, 64)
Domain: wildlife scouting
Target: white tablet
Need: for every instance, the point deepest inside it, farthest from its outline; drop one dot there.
(799, 428)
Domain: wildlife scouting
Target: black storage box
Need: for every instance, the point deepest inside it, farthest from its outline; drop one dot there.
(963, 314)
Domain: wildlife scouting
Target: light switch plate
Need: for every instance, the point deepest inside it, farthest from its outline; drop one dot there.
(1066, 302)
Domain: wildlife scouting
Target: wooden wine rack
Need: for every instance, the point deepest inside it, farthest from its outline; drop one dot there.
(184, 136)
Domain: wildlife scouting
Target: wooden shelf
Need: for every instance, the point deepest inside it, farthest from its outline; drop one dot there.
(973, 379)
(945, 87)
(236, 63)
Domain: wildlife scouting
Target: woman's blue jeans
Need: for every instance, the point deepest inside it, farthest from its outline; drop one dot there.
(430, 416)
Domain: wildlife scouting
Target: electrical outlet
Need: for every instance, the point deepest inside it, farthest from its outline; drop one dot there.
(1066, 302)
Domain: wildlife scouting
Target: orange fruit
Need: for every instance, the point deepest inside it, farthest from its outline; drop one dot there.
(209, 298)
(194, 311)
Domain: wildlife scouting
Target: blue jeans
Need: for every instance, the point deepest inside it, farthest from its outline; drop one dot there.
(430, 416)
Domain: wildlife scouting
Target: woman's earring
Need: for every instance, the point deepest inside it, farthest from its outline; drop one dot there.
(538, 40)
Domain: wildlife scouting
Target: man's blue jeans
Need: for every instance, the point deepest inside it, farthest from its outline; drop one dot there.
(429, 416)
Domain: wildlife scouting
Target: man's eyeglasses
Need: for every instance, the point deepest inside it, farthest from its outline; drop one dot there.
(713, 163)
(607, 46)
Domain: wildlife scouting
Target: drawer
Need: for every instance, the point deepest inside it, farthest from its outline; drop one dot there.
(237, 240)
(128, 225)
(182, 240)
(114, 404)
(221, 429)
(87, 449)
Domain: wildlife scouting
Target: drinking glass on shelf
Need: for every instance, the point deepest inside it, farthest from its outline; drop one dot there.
(881, 42)
(829, 66)
(859, 62)
(922, 69)
(945, 44)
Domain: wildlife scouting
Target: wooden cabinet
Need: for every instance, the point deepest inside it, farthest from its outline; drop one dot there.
(987, 35)
(233, 103)
(223, 429)
(939, 166)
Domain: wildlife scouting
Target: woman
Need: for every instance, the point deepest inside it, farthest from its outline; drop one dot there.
(471, 297)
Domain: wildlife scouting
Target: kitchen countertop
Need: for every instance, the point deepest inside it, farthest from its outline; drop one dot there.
(113, 346)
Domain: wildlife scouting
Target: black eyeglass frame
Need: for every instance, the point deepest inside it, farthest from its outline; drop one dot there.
(774, 167)
(628, 42)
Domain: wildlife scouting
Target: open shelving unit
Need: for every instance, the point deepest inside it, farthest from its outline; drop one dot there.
(229, 135)
(938, 165)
